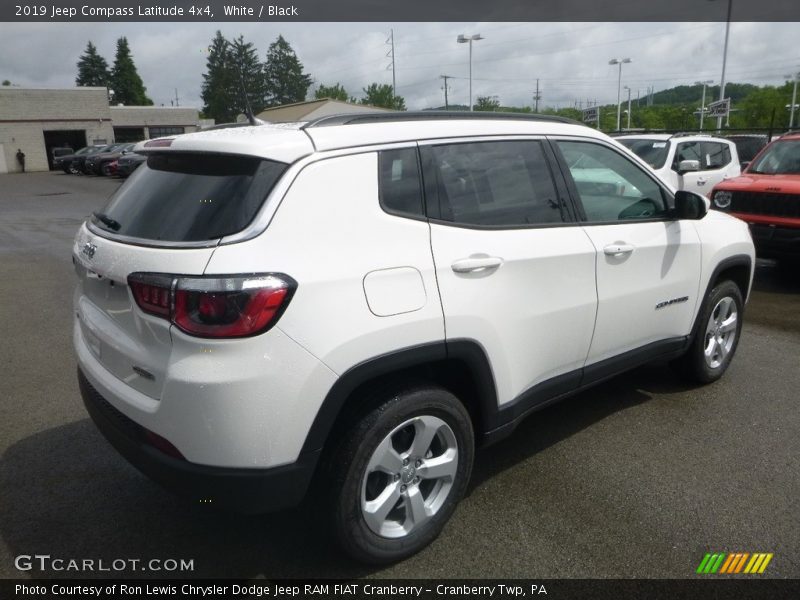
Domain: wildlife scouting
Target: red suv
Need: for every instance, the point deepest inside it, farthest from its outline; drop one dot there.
(767, 196)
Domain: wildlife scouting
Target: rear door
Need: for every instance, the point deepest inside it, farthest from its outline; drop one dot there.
(515, 271)
(648, 264)
(716, 164)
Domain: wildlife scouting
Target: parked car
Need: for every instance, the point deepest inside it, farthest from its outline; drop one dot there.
(767, 196)
(58, 153)
(688, 162)
(64, 162)
(128, 163)
(79, 161)
(361, 300)
(748, 145)
(97, 163)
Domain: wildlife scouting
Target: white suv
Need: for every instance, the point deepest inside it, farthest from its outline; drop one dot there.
(695, 163)
(360, 300)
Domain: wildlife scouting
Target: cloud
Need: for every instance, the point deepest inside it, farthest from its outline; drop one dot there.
(570, 60)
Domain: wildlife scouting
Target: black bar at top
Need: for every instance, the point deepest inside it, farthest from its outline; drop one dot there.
(397, 11)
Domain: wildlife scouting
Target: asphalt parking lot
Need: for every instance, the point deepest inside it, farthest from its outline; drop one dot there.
(638, 477)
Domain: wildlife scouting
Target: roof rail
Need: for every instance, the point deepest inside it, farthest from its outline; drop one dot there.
(429, 115)
(688, 133)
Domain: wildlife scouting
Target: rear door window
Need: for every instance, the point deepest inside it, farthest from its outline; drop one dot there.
(495, 184)
(190, 197)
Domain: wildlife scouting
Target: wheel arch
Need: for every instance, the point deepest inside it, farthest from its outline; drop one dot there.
(460, 366)
(737, 268)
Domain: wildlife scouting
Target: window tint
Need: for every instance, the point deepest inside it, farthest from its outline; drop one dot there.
(400, 187)
(611, 187)
(190, 197)
(688, 151)
(653, 152)
(711, 155)
(715, 155)
(781, 157)
(495, 184)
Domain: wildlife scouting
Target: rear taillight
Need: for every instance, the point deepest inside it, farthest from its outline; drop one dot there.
(214, 307)
(152, 292)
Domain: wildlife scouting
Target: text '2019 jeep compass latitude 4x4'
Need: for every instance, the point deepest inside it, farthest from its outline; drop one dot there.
(361, 300)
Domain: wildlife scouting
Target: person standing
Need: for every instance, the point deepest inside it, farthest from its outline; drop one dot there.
(21, 158)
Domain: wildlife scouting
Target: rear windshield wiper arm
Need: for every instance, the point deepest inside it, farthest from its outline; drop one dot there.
(107, 221)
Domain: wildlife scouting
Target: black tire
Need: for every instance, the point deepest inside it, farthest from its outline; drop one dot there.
(695, 364)
(105, 170)
(349, 477)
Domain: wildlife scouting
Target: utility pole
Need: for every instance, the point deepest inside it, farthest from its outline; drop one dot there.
(793, 105)
(537, 97)
(176, 97)
(445, 77)
(629, 106)
(724, 62)
(390, 54)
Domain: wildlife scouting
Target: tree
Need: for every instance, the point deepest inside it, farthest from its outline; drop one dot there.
(246, 74)
(380, 94)
(757, 109)
(125, 81)
(220, 82)
(283, 73)
(92, 68)
(487, 103)
(334, 92)
(6, 82)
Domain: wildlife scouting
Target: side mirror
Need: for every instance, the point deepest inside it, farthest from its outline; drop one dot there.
(686, 166)
(689, 205)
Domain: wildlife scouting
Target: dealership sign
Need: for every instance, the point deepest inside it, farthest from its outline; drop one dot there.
(720, 108)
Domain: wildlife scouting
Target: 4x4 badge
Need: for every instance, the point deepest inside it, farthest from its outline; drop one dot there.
(89, 249)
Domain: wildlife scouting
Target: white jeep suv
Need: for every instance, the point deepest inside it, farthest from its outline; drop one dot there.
(695, 163)
(361, 300)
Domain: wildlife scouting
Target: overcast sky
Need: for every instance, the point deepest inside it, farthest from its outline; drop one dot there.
(570, 59)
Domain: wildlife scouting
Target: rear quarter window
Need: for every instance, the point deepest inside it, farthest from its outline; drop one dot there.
(190, 197)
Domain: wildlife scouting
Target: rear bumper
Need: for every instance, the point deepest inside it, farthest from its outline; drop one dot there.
(244, 490)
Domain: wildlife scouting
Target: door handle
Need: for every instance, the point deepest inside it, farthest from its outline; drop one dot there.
(477, 263)
(617, 249)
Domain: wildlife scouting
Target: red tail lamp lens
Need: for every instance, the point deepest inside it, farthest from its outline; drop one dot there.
(220, 307)
(153, 294)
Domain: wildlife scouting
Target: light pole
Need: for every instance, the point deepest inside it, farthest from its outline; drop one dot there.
(629, 106)
(793, 105)
(724, 60)
(463, 39)
(703, 101)
(620, 62)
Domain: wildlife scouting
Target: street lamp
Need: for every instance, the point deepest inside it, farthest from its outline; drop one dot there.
(703, 101)
(463, 39)
(793, 106)
(724, 60)
(629, 106)
(620, 62)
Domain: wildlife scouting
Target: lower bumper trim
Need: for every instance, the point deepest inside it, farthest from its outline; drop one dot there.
(248, 491)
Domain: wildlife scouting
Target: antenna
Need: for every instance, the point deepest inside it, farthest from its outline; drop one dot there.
(249, 111)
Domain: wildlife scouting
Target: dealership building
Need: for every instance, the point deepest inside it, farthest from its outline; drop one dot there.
(38, 120)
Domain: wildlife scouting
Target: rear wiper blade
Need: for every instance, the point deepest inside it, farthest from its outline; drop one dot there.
(107, 221)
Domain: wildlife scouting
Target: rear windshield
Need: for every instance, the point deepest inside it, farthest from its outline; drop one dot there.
(653, 152)
(190, 197)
